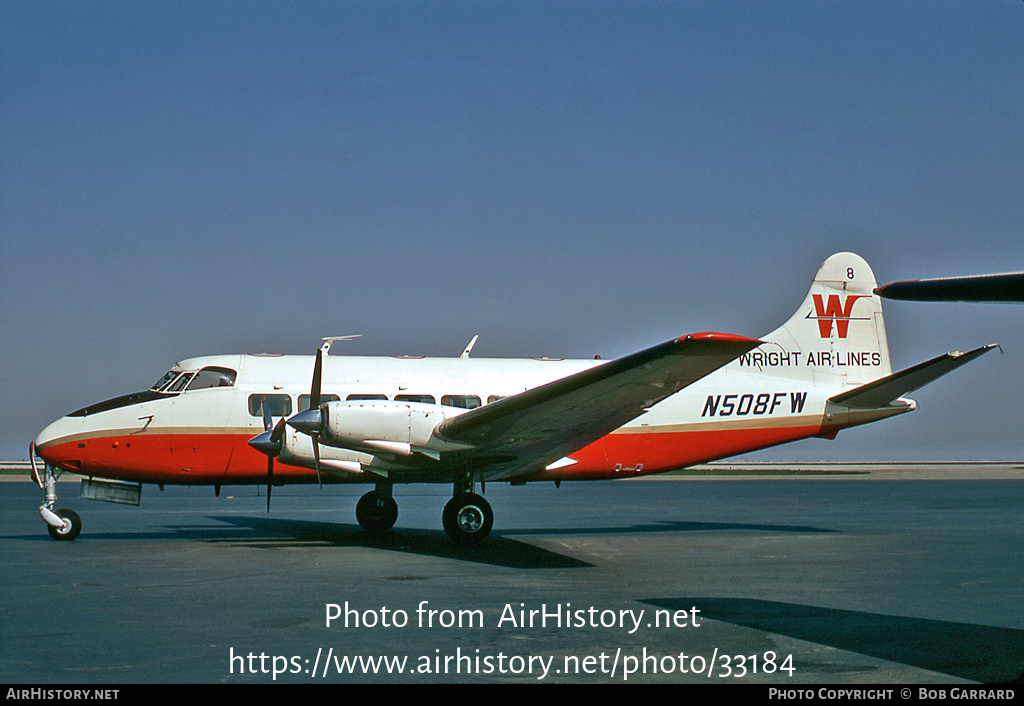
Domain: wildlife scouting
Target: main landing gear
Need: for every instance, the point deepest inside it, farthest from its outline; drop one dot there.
(467, 517)
(377, 510)
(63, 524)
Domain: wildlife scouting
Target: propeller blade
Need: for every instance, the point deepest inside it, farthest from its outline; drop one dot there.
(309, 421)
(316, 459)
(268, 420)
(269, 442)
(278, 434)
(314, 393)
(270, 479)
(314, 403)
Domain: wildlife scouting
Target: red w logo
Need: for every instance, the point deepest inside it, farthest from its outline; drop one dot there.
(834, 311)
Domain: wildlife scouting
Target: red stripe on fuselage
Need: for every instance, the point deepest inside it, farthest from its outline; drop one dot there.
(223, 459)
(188, 459)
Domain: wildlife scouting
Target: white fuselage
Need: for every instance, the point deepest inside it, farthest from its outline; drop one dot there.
(199, 435)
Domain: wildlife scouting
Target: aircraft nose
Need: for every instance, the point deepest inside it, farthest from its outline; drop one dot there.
(49, 435)
(307, 421)
(50, 440)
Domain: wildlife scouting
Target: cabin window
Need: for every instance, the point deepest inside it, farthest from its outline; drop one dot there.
(365, 396)
(304, 400)
(463, 401)
(213, 377)
(280, 405)
(425, 399)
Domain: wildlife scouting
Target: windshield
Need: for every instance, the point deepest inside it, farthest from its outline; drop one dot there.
(178, 381)
(167, 377)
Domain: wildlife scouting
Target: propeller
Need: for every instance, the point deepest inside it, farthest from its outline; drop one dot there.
(269, 443)
(310, 421)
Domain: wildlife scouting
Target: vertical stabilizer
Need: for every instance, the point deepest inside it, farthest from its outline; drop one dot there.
(837, 336)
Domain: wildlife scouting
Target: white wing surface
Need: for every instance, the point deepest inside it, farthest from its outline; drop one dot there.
(524, 433)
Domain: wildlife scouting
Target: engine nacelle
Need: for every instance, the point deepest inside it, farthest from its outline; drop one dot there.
(393, 427)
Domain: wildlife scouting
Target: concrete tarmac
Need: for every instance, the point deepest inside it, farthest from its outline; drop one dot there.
(861, 577)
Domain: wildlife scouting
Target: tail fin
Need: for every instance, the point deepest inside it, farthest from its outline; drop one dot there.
(837, 336)
(836, 342)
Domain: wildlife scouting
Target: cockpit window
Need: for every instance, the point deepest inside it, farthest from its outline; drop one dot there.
(179, 384)
(213, 377)
(168, 376)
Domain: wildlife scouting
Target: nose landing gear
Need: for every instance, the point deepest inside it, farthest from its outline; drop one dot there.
(63, 524)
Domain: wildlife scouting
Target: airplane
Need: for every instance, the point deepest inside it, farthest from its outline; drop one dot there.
(465, 421)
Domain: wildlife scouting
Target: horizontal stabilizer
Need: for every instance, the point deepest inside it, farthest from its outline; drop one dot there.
(890, 388)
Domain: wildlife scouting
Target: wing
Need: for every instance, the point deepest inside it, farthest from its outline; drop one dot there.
(525, 433)
(1007, 287)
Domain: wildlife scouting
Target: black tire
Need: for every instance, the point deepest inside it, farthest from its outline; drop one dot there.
(467, 518)
(377, 512)
(66, 534)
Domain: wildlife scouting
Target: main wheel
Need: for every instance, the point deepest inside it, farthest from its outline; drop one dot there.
(467, 518)
(72, 526)
(377, 512)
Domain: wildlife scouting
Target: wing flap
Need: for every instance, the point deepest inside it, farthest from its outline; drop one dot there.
(530, 430)
(886, 390)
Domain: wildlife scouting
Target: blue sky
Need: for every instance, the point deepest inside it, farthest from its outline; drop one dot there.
(561, 178)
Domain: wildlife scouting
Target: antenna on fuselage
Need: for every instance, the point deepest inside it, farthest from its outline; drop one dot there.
(328, 340)
(465, 353)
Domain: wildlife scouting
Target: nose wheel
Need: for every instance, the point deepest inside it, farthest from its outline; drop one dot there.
(71, 525)
(64, 524)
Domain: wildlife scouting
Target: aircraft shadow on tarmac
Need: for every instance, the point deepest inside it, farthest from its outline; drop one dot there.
(670, 526)
(275, 533)
(979, 653)
(499, 549)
